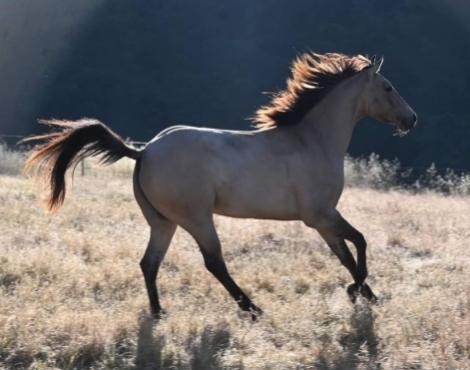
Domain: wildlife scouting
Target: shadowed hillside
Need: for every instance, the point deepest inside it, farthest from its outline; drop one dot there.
(141, 66)
(35, 37)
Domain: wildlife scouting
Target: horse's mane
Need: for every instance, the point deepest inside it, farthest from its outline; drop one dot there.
(313, 76)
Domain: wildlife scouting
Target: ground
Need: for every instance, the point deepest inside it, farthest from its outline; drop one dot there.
(72, 295)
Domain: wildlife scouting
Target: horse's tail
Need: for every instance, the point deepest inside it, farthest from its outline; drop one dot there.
(65, 148)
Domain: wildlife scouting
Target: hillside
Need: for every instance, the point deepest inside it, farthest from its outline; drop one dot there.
(141, 66)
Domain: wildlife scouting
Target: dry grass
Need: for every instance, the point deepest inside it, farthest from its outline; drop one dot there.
(72, 295)
(11, 161)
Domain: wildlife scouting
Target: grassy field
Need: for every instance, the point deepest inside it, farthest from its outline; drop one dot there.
(72, 295)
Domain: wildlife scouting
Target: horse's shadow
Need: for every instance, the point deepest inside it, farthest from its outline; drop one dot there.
(360, 345)
(204, 350)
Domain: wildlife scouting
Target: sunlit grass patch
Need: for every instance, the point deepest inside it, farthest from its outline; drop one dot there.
(72, 294)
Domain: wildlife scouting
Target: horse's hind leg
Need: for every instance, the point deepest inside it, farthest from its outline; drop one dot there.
(206, 237)
(161, 234)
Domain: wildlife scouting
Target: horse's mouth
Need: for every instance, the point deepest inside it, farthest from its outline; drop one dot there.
(401, 129)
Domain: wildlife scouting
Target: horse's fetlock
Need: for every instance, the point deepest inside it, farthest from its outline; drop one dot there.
(361, 276)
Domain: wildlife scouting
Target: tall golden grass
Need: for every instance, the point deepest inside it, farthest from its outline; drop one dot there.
(72, 295)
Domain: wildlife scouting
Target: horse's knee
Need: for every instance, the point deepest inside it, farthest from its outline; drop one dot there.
(359, 241)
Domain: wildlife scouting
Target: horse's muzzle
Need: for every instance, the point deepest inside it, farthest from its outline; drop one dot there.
(409, 122)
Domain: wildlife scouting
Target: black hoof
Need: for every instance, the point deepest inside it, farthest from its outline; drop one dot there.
(255, 311)
(157, 315)
(367, 293)
(353, 292)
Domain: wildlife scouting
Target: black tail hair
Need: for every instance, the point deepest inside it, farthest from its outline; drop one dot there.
(65, 148)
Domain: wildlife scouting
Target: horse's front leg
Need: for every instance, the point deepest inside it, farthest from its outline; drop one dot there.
(349, 233)
(334, 229)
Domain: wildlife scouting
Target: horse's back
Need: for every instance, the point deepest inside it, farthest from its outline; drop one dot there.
(187, 147)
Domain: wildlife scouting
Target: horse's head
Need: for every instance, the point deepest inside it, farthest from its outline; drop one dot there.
(382, 101)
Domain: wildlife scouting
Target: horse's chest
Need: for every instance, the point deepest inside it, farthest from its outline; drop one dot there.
(323, 187)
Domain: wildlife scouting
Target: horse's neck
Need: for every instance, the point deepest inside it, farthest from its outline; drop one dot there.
(331, 123)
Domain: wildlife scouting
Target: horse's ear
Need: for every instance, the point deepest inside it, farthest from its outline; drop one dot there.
(372, 60)
(375, 66)
(379, 63)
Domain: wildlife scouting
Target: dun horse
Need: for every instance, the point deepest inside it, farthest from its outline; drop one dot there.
(289, 168)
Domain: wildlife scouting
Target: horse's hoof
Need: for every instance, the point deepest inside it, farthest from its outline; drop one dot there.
(367, 293)
(157, 315)
(256, 312)
(353, 292)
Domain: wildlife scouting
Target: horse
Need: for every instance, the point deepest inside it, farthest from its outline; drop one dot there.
(289, 166)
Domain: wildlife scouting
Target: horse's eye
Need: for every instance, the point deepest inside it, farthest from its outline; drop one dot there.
(388, 88)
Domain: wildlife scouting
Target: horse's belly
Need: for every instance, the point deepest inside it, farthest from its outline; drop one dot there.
(259, 206)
